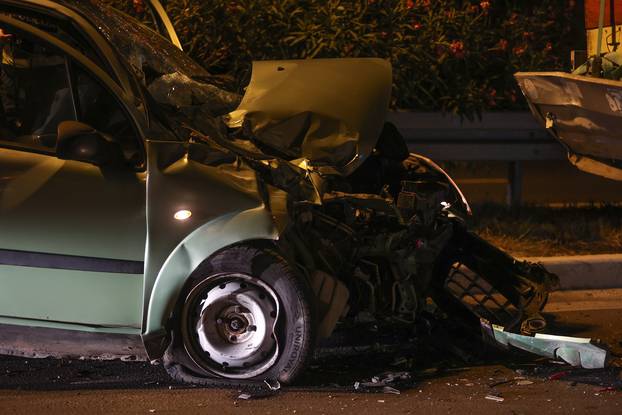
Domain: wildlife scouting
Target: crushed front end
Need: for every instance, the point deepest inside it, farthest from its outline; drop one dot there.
(379, 233)
(389, 242)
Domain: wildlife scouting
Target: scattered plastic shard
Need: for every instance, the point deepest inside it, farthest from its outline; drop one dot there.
(578, 352)
(389, 389)
(495, 398)
(384, 381)
(273, 384)
(244, 396)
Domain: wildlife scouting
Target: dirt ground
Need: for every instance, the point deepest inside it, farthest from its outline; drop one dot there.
(440, 383)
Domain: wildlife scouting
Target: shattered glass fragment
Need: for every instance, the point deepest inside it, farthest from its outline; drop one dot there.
(179, 90)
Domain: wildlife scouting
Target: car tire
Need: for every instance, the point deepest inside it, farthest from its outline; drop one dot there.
(243, 317)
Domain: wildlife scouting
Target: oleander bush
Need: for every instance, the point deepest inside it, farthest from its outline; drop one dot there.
(450, 55)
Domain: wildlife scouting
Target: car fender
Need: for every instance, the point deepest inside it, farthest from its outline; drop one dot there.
(229, 229)
(193, 210)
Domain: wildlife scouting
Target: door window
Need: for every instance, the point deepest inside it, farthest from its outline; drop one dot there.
(34, 90)
(98, 108)
(40, 87)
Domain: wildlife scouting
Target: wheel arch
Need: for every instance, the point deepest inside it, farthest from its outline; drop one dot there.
(248, 226)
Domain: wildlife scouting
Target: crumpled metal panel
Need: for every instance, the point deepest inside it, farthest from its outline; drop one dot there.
(329, 111)
(576, 351)
(583, 113)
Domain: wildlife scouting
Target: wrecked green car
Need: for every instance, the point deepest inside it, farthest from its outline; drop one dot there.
(146, 213)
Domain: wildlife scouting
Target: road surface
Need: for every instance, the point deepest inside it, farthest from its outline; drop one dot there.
(441, 383)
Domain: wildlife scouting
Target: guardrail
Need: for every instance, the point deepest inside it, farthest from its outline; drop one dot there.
(512, 137)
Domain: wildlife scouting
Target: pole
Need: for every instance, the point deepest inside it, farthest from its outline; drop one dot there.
(597, 64)
(612, 19)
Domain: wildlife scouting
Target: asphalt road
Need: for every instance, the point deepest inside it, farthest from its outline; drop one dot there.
(440, 383)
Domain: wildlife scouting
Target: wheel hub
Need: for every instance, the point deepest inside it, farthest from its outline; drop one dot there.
(231, 324)
(236, 324)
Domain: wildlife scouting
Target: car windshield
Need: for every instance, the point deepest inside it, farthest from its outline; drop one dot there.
(186, 91)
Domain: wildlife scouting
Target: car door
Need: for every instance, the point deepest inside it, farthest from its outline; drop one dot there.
(72, 234)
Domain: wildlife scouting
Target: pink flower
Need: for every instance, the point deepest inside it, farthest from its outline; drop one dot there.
(139, 6)
(503, 44)
(410, 4)
(456, 47)
(233, 7)
(485, 5)
(492, 94)
(519, 50)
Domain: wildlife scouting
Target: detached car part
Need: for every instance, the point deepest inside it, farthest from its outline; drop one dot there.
(576, 351)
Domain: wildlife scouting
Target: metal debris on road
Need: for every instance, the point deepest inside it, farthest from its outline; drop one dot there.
(495, 398)
(384, 382)
(273, 384)
(576, 351)
(391, 390)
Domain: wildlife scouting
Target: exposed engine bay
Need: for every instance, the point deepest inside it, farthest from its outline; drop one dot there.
(389, 240)
(378, 232)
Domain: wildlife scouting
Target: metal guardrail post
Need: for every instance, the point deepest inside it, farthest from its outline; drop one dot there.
(515, 183)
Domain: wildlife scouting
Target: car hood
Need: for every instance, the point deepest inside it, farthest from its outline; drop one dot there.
(583, 113)
(324, 111)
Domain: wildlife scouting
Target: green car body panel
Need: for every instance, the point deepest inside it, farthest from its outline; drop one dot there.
(69, 208)
(226, 209)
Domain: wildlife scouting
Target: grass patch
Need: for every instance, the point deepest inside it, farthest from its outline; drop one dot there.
(545, 231)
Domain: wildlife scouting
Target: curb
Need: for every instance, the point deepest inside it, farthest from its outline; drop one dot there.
(583, 272)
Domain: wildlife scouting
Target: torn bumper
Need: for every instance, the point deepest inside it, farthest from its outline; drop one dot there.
(576, 351)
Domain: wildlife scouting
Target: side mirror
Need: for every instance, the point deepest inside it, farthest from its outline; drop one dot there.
(81, 142)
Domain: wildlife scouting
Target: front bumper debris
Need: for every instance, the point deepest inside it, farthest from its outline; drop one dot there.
(576, 351)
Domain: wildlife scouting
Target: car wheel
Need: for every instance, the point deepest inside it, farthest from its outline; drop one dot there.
(244, 316)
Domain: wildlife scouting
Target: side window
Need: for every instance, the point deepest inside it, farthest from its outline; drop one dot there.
(40, 87)
(34, 90)
(98, 108)
(61, 29)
